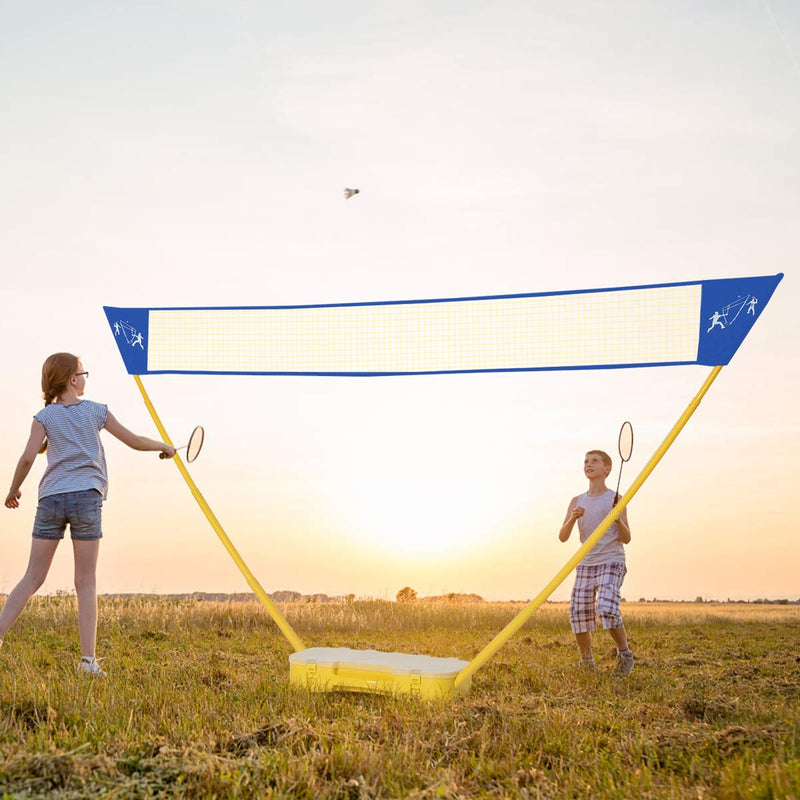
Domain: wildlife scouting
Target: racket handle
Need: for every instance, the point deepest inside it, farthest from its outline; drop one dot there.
(162, 454)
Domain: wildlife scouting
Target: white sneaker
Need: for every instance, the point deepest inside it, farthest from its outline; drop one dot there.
(91, 666)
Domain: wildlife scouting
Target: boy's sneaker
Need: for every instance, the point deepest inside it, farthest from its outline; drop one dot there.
(624, 664)
(91, 666)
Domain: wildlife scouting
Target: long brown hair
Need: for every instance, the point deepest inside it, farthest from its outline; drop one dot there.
(56, 373)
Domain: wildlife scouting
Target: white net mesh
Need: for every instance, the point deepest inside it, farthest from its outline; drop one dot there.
(631, 326)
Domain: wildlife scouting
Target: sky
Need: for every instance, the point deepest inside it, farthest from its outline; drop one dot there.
(195, 153)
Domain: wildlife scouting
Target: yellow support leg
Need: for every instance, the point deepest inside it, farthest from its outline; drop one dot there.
(532, 607)
(271, 608)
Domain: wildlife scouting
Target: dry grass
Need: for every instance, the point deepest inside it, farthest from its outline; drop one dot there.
(197, 704)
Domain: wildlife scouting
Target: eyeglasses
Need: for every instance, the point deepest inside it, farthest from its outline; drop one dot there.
(85, 374)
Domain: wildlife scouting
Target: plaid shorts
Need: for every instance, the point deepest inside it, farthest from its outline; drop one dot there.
(596, 591)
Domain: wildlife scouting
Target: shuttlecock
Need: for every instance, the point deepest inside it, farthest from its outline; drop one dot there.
(348, 193)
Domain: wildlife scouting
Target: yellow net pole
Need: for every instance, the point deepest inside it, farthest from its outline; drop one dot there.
(532, 607)
(271, 608)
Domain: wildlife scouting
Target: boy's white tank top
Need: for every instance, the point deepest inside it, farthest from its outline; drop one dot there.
(609, 549)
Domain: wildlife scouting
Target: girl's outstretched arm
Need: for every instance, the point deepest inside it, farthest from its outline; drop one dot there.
(115, 428)
(35, 441)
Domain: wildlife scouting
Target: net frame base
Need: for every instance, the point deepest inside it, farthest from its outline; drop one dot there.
(326, 669)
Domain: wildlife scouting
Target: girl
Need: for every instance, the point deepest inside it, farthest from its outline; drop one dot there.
(71, 491)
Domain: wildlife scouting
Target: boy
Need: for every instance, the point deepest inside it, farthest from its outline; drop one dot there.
(599, 575)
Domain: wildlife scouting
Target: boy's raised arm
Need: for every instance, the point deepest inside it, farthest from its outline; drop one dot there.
(624, 531)
(574, 512)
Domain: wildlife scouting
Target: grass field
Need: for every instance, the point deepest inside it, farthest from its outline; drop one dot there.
(197, 704)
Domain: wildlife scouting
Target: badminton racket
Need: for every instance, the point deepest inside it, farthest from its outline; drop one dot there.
(193, 447)
(625, 446)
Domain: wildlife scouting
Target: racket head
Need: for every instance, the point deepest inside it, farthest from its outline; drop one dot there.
(195, 443)
(626, 441)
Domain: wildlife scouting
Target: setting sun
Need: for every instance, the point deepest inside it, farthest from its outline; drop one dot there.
(418, 506)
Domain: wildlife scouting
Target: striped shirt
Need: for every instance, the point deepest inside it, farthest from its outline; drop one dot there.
(609, 549)
(75, 457)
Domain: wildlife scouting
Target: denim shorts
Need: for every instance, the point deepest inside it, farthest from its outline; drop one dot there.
(82, 510)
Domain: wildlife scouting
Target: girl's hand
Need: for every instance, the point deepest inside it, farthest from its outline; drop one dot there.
(577, 513)
(12, 500)
(168, 451)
